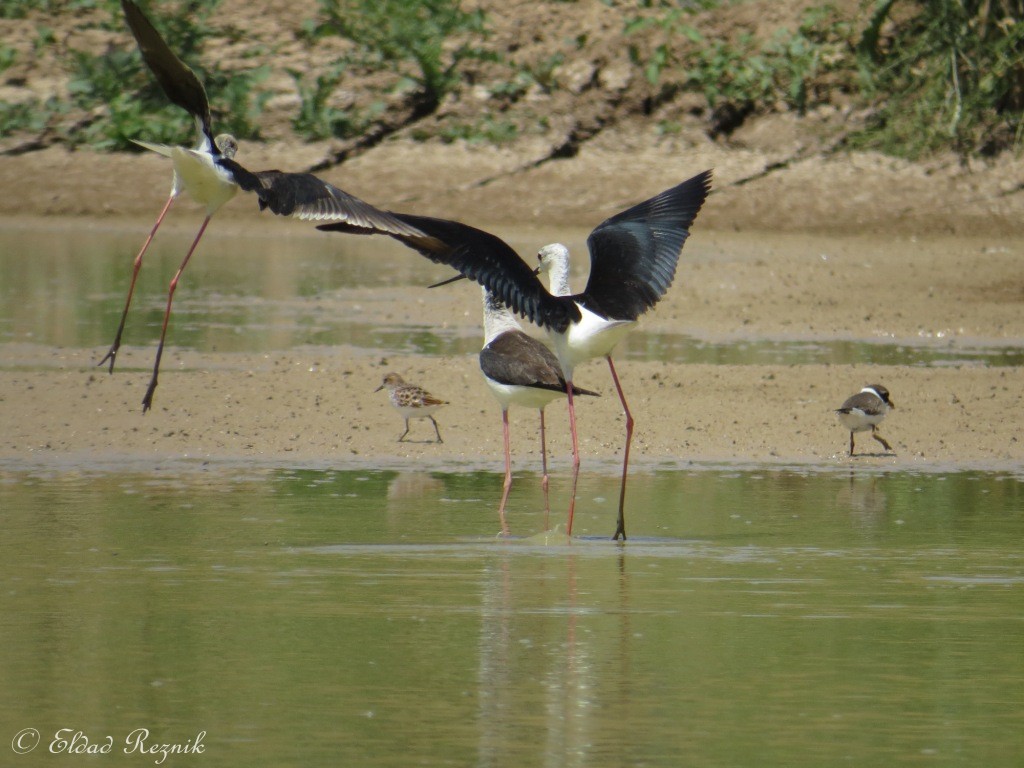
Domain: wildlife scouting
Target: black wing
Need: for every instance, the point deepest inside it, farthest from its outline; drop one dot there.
(491, 262)
(306, 196)
(634, 254)
(177, 80)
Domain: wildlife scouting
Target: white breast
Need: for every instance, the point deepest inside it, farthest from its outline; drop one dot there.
(593, 336)
(527, 397)
(205, 183)
(858, 421)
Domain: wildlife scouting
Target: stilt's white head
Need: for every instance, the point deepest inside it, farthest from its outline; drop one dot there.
(554, 260)
(227, 145)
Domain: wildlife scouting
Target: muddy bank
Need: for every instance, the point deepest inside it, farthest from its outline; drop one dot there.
(839, 194)
(321, 409)
(317, 406)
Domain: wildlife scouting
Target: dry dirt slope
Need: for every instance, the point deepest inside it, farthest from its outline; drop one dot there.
(587, 145)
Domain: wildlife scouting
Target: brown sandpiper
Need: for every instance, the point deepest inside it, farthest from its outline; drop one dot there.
(412, 401)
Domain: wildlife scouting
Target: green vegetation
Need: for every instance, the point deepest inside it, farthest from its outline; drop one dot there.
(921, 75)
(933, 74)
(543, 72)
(409, 38)
(674, 23)
(28, 117)
(485, 129)
(7, 57)
(139, 108)
(746, 75)
(317, 119)
(19, 9)
(118, 80)
(781, 69)
(950, 73)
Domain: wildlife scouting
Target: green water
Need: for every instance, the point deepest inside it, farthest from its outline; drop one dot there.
(362, 618)
(290, 616)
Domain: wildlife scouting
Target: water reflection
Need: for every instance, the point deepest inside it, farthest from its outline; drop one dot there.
(864, 497)
(359, 617)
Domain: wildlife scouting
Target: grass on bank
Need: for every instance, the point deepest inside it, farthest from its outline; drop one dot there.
(930, 75)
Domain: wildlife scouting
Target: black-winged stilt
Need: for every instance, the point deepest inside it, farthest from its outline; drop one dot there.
(211, 176)
(411, 401)
(519, 370)
(633, 259)
(865, 411)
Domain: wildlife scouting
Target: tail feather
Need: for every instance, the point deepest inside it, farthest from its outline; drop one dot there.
(160, 149)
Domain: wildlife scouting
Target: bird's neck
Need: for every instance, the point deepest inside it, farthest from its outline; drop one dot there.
(558, 278)
(204, 142)
(497, 320)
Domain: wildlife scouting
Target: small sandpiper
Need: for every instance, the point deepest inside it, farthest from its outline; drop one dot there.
(865, 411)
(412, 402)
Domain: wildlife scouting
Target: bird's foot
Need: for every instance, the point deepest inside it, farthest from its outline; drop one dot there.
(147, 400)
(111, 356)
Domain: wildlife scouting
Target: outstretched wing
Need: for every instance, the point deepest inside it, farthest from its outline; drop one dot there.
(309, 197)
(177, 80)
(634, 253)
(491, 262)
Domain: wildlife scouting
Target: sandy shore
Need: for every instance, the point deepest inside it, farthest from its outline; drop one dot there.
(797, 242)
(319, 410)
(316, 407)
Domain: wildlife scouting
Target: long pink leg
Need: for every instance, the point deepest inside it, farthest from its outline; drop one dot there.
(575, 458)
(544, 475)
(112, 352)
(147, 400)
(508, 473)
(620, 526)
